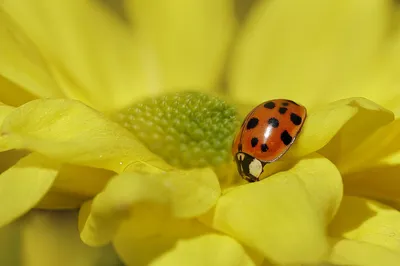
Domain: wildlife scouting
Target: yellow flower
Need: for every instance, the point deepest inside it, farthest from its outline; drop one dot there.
(156, 214)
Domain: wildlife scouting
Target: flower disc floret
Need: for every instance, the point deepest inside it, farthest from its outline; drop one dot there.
(187, 129)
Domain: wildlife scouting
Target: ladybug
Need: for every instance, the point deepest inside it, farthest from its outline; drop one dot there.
(266, 134)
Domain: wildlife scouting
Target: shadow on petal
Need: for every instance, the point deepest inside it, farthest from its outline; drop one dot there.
(139, 243)
(10, 242)
(10, 158)
(12, 94)
(369, 221)
(380, 182)
(352, 213)
(74, 185)
(51, 238)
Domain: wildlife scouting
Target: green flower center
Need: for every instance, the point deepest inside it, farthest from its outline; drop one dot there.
(187, 129)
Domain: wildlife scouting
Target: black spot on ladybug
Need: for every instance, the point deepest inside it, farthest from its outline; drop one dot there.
(285, 104)
(286, 138)
(295, 119)
(240, 147)
(269, 105)
(292, 102)
(282, 110)
(253, 122)
(264, 147)
(273, 122)
(254, 142)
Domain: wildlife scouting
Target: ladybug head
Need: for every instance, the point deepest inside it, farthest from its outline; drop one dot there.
(249, 167)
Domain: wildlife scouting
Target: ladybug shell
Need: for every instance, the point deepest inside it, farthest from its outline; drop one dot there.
(270, 129)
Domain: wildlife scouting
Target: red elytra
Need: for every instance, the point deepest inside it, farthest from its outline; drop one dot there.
(266, 134)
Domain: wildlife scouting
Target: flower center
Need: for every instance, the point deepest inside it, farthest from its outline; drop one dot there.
(187, 129)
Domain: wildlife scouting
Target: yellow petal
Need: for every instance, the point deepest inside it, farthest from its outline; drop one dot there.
(210, 249)
(369, 118)
(310, 51)
(24, 184)
(104, 77)
(367, 221)
(51, 238)
(136, 244)
(183, 193)
(12, 94)
(60, 201)
(348, 252)
(372, 169)
(283, 216)
(188, 43)
(5, 110)
(74, 185)
(161, 47)
(70, 131)
(10, 158)
(380, 148)
(326, 192)
(10, 244)
(84, 212)
(22, 64)
(332, 127)
(320, 127)
(177, 242)
(386, 71)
